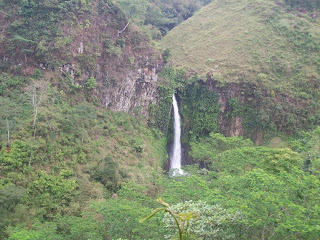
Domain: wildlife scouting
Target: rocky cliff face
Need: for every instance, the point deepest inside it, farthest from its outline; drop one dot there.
(252, 110)
(229, 125)
(95, 40)
(240, 108)
(137, 90)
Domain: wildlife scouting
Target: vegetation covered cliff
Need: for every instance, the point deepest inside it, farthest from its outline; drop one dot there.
(85, 119)
(91, 43)
(266, 51)
(64, 65)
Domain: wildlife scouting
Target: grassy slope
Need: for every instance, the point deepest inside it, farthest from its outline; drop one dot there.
(80, 151)
(248, 40)
(70, 120)
(64, 166)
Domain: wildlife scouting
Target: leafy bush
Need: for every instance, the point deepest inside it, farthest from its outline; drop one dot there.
(91, 83)
(52, 193)
(206, 148)
(271, 205)
(17, 158)
(107, 173)
(67, 227)
(122, 220)
(207, 221)
(10, 197)
(200, 110)
(236, 155)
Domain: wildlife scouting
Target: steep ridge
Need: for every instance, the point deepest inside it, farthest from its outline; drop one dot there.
(62, 63)
(239, 40)
(81, 40)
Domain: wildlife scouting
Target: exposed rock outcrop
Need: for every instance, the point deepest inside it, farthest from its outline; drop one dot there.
(88, 45)
(229, 125)
(139, 90)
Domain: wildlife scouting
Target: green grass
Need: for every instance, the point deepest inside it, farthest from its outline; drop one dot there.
(254, 41)
(80, 151)
(277, 142)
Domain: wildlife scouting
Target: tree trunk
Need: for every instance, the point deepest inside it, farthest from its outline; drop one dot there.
(8, 130)
(30, 160)
(36, 104)
(119, 32)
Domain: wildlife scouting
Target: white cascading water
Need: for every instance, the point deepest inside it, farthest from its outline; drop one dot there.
(175, 161)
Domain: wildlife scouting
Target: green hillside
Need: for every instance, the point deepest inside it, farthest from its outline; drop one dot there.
(262, 54)
(256, 41)
(157, 17)
(86, 123)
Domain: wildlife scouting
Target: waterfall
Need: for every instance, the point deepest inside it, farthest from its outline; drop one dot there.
(175, 159)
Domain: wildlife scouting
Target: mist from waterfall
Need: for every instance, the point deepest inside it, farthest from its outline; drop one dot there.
(175, 158)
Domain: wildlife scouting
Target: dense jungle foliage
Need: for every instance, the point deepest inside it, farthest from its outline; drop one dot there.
(157, 17)
(59, 151)
(72, 169)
